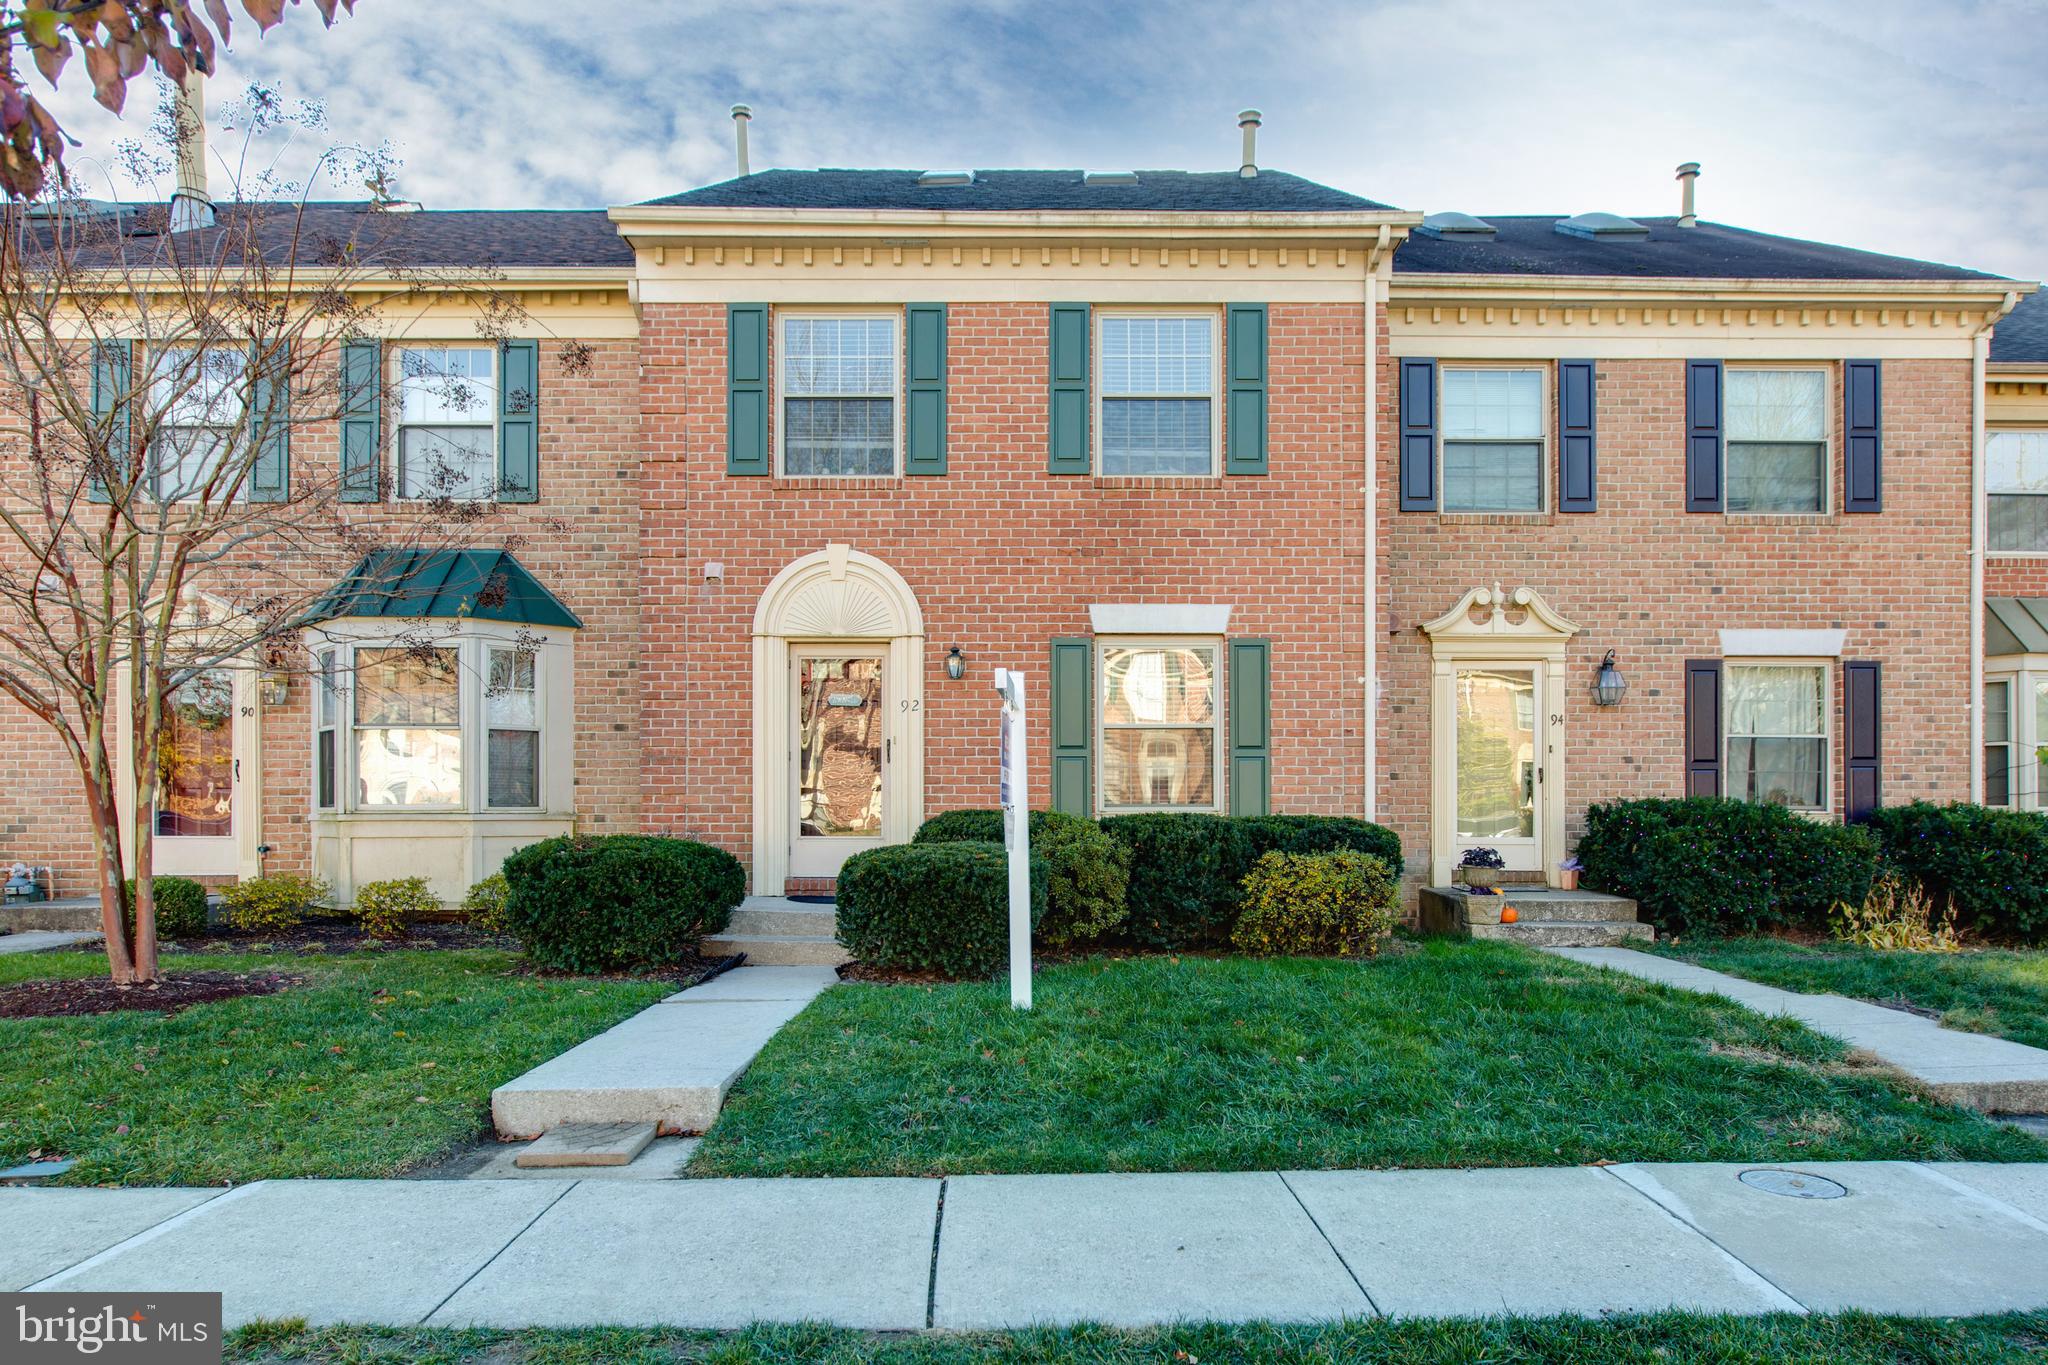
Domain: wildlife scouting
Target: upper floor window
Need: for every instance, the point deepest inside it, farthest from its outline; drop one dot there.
(1777, 733)
(839, 379)
(198, 397)
(447, 422)
(1159, 714)
(1777, 440)
(1493, 425)
(2016, 489)
(1157, 411)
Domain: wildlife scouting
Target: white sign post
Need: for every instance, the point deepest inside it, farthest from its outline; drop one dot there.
(1016, 793)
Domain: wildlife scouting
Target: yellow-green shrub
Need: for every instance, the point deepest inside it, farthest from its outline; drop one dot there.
(1897, 916)
(1337, 904)
(484, 906)
(270, 905)
(387, 909)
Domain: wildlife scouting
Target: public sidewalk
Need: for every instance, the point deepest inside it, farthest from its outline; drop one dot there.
(1008, 1251)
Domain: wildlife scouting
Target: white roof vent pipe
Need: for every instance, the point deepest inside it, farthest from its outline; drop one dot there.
(191, 204)
(1688, 175)
(740, 114)
(1249, 120)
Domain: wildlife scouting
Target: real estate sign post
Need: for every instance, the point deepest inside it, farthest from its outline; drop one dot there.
(1016, 795)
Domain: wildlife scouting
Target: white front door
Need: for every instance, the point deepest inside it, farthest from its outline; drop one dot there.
(839, 751)
(207, 722)
(1501, 791)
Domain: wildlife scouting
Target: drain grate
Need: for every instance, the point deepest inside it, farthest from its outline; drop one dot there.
(1792, 1184)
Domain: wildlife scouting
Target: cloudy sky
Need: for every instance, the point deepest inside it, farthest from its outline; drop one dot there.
(1918, 127)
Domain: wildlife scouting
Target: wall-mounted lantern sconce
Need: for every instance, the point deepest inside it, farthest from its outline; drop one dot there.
(1609, 685)
(956, 664)
(277, 688)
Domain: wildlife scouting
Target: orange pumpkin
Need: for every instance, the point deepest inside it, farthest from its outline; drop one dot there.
(1508, 914)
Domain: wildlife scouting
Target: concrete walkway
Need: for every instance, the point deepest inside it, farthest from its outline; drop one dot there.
(1008, 1251)
(1995, 1075)
(36, 940)
(669, 1065)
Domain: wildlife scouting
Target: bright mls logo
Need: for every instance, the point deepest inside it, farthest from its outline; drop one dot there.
(161, 1329)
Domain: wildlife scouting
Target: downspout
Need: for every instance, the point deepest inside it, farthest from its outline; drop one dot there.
(1980, 355)
(1372, 530)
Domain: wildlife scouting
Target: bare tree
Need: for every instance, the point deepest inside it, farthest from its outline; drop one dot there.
(154, 526)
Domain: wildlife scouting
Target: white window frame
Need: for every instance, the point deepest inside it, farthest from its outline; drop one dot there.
(1826, 668)
(2010, 681)
(1990, 431)
(329, 692)
(1545, 477)
(777, 419)
(395, 377)
(485, 649)
(355, 729)
(1217, 646)
(153, 475)
(1828, 395)
(1098, 396)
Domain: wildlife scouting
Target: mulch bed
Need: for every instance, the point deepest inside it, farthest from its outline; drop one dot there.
(99, 995)
(684, 971)
(318, 936)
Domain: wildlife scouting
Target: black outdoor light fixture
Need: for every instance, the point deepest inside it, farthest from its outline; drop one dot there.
(956, 664)
(1608, 685)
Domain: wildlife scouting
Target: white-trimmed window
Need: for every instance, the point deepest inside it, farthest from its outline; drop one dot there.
(512, 712)
(1493, 439)
(408, 727)
(1775, 719)
(838, 377)
(1159, 707)
(1777, 439)
(198, 396)
(447, 422)
(2016, 490)
(1157, 376)
(1998, 745)
(326, 737)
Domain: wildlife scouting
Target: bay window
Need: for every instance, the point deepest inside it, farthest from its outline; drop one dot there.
(1777, 440)
(2016, 490)
(1159, 708)
(511, 702)
(408, 727)
(1494, 424)
(326, 720)
(1998, 784)
(1776, 723)
(448, 422)
(1158, 382)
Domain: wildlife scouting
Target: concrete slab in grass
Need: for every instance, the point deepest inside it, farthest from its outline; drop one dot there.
(715, 1254)
(1133, 1250)
(53, 1230)
(1898, 1242)
(760, 983)
(1566, 1240)
(667, 1065)
(370, 1251)
(586, 1145)
(2017, 1185)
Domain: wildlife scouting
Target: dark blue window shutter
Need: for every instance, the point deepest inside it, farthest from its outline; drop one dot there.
(1702, 435)
(1251, 727)
(746, 388)
(924, 398)
(110, 379)
(1576, 411)
(1418, 435)
(270, 424)
(1863, 747)
(1702, 727)
(1067, 416)
(362, 385)
(1863, 404)
(519, 421)
(1073, 727)
(1244, 439)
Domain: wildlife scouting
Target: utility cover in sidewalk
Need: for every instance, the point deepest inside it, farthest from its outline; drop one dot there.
(1792, 1184)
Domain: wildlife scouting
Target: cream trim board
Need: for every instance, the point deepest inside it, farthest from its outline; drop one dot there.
(777, 418)
(1537, 632)
(1136, 287)
(1828, 670)
(1140, 618)
(1220, 710)
(1545, 500)
(1790, 644)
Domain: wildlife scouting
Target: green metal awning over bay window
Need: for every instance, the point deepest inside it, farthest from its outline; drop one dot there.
(477, 585)
(2015, 625)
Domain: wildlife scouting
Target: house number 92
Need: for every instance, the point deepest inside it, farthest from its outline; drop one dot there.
(912, 704)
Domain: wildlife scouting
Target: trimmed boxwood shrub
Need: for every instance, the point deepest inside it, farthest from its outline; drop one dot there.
(389, 909)
(272, 904)
(1337, 904)
(932, 907)
(1992, 863)
(180, 907)
(963, 826)
(1713, 864)
(586, 903)
(1088, 873)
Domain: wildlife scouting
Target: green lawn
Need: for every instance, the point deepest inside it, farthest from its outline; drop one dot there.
(1988, 991)
(1666, 1339)
(379, 1063)
(1447, 1054)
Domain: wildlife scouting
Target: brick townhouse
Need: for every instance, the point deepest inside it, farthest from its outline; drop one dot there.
(1282, 499)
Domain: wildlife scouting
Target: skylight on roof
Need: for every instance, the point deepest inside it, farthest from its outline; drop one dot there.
(1601, 226)
(945, 178)
(1109, 177)
(1456, 226)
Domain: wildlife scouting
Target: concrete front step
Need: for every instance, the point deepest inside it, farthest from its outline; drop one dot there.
(1566, 933)
(781, 919)
(779, 950)
(1592, 907)
(1562, 919)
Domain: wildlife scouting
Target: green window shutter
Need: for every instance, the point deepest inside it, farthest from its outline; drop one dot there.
(362, 376)
(1073, 727)
(924, 398)
(1251, 727)
(1068, 414)
(1245, 363)
(746, 388)
(270, 425)
(110, 378)
(519, 421)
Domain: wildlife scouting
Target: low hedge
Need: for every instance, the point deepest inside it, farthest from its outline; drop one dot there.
(585, 903)
(933, 906)
(1991, 864)
(1717, 865)
(1087, 872)
(180, 906)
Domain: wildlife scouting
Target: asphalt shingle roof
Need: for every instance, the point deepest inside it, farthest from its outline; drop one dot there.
(2022, 337)
(1533, 246)
(1026, 192)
